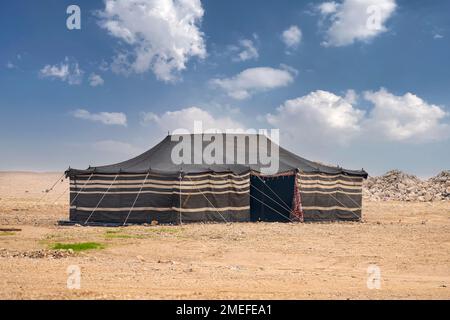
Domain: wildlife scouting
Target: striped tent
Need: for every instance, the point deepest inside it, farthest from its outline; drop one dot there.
(151, 187)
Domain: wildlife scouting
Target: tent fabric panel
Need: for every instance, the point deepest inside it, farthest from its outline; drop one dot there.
(330, 197)
(125, 200)
(200, 197)
(218, 201)
(336, 200)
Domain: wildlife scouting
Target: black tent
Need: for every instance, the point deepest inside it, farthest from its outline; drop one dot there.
(152, 187)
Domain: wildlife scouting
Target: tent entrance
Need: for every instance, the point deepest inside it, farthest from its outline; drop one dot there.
(271, 198)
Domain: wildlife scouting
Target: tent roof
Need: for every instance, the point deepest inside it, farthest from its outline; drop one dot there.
(158, 159)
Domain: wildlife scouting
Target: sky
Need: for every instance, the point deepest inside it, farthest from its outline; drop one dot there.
(355, 83)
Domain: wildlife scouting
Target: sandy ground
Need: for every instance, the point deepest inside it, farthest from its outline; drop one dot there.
(409, 242)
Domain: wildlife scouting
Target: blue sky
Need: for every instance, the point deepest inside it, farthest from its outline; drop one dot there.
(339, 91)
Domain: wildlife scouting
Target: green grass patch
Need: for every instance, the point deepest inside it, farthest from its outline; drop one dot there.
(139, 234)
(120, 236)
(163, 230)
(7, 233)
(113, 231)
(78, 246)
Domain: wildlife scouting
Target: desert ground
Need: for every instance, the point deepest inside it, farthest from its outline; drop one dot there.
(408, 241)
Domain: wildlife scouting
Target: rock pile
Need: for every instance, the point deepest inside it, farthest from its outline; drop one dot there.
(397, 185)
(36, 254)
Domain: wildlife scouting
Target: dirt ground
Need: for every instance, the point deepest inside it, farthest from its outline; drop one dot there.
(409, 242)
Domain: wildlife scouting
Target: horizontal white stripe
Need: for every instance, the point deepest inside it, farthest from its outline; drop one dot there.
(333, 192)
(167, 187)
(160, 182)
(163, 192)
(143, 175)
(320, 186)
(161, 209)
(331, 208)
(343, 182)
(303, 175)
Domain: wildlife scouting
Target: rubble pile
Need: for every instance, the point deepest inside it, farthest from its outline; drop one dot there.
(36, 254)
(397, 185)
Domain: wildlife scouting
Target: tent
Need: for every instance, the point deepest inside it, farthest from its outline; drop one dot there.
(152, 186)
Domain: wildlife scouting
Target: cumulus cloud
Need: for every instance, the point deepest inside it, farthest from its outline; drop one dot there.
(67, 71)
(327, 8)
(108, 118)
(161, 35)
(326, 118)
(253, 80)
(354, 20)
(95, 80)
(318, 115)
(185, 118)
(292, 37)
(405, 118)
(245, 50)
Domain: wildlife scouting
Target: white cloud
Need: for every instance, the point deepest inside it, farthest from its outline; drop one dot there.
(437, 36)
(320, 115)
(355, 20)
(325, 118)
(162, 34)
(10, 65)
(405, 118)
(185, 118)
(117, 147)
(109, 118)
(67, 71)
(246, 50)
(326, 8)
(351, 96)
(292, 37)
(253, 80)
(95, 80)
